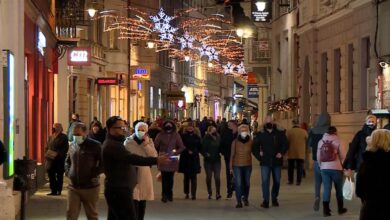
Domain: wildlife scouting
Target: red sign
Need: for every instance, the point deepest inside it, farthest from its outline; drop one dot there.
(79, 56)
(107, 81)
(251, 78)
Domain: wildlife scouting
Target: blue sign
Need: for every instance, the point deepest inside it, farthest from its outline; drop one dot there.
(141, 71)
(253, 91)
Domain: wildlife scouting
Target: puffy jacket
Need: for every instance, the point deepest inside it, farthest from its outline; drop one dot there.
(270, 143)
(210, 148)
(83, 164)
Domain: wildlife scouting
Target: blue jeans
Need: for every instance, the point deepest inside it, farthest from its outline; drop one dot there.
(242, 176)
(335, 176)
(265, 181)
(317, 179)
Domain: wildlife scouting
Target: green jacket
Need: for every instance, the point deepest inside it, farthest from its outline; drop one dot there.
(210, 148)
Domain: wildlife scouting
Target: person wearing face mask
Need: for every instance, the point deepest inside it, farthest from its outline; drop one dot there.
(269, 146)
(168, 142)
(55, 154)
(83, 166)
(241, 164)
(140, 144)
(212, 160)
(189, 163)
(96, 132)
(358, 146)
(74, 119)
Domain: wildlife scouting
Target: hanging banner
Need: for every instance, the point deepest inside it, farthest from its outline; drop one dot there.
(253, 91)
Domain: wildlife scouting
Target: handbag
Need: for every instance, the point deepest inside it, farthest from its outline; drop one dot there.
(51, 154)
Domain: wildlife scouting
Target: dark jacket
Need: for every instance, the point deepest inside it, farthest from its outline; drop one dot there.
(100, 136)
(357, 148)
(226, 143)
(372, 185)
(153, 132)
(60, 145)
(210, 148)
(316, 133)
(190, 163)
(165, 143)
(270, 143)
(3, 153)
(117, 162)
(84, 164)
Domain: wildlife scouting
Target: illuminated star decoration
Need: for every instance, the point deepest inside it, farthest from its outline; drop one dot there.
(213, 54)
(186, 41)
(161, 24)
(204, 50)
(228, 68)
(241, 68)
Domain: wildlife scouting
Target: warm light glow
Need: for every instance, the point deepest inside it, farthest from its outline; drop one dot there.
(91, 12)
(210, 64)
(186, 58)
(240, 32)
(150, 45)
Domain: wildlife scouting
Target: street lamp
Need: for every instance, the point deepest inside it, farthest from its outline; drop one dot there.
(91, 9)
(210, 64)
(245, 32)
(150, 44)
(187, 58)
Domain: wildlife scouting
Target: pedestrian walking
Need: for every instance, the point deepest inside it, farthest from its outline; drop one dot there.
(297, 140)
(241, 164)
(168, 142)
(226, 146)
(120, 173)
(269, 146)
(97, 132)
(83, 165)
(212, 160)
(153, 131)
(141, 144)
(315, 135)
(189, 160)
(373, 179)
(55, 154)
(74, 119)
(358, 146)
(330, 155)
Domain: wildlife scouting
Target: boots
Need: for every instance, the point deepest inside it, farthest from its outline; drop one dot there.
(340, 206)
(326, 209)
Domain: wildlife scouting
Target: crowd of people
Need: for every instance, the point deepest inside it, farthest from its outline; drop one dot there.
(125, 155)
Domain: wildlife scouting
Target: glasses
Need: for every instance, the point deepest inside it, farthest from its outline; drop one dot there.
(123, 128)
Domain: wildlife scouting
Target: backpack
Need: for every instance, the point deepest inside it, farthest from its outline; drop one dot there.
(328, 152)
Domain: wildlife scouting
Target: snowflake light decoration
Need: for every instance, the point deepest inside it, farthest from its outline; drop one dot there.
(228, 68)
(241, 68)
(162, 25)
(204, 50)
(213, 54)
(186, 41)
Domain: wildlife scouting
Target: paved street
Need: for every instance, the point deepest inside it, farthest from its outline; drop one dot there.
(295, 203)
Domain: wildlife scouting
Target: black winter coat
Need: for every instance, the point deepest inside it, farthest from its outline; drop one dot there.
(372, 185)
(100, 136)
(356, 149)
(190, 163)
(226, 143)
(270, 144)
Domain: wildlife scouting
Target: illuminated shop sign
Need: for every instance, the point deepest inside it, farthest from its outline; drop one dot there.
(253, 91)
(107, 81)
(140, 73)
(9, 110)
(79, 56)
(261, 10)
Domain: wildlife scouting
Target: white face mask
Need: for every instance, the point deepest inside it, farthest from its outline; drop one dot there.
(244, 134)
(140, 134)
(78, 139)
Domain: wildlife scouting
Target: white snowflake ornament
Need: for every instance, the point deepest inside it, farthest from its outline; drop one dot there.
(241, 68)
(228, 68)
(186, 41)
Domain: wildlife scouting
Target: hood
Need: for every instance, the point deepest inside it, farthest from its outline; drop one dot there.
(322, 124)
(172, 123)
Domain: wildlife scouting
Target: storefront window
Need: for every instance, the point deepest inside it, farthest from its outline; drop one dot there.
(113, 95)
(123, 103)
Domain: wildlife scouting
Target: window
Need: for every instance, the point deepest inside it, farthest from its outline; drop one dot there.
(350, 78)
(113, 95)
(337, 80)
(364, 65)
(324, 82)
(151, 97)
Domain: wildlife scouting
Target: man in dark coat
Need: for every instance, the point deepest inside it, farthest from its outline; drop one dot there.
(228, 136)
(315, 135)
(269, 147)
(189, 163)
(121, 176)
(358, 146)
(55, 166)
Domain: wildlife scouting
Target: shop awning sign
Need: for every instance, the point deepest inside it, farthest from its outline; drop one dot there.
(140, 73)
(79, 56)
(253, 91)
(107, 81)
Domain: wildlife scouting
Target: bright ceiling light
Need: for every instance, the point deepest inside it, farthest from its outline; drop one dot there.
(210, 64)
(150, 45)
(91, 12)
(240, 32)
